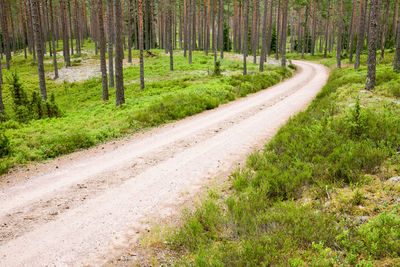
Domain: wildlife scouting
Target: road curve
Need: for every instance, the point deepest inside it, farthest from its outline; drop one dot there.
(78, 212)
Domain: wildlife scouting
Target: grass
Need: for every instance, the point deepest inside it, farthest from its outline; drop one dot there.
(317, 194)
(86, 120)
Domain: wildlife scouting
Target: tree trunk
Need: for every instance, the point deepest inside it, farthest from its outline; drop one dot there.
(39, 47)
(395, 19)
(284, 32)
(269, 28)
(53, 41)
(71, 33)
(2, 114)
(119, 54)
(351, 26)
(339, 35)
(245, 35)
(110, 33)
(327, 29)
(4, 31)
(304, 44)
(190, 30)
(385, 29)
(221, 27)
(372, 43)
(141, 63)
(264, 36)
(360, 37)
(102, 43)
(130, 31)
(278, 27)
(396, 61)
(65, 33)
(170, 44)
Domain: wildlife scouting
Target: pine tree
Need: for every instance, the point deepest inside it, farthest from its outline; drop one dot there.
(372, 43)
(39, 47)
(119, 54)
(102, 43)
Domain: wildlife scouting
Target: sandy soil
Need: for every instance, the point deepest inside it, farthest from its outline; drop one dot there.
(82, 209)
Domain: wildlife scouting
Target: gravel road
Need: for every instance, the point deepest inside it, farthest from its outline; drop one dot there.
(81, 208)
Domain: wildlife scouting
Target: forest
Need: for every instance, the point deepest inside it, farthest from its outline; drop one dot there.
(325, 191)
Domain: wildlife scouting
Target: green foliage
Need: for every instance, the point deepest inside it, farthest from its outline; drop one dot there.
(36, 108)
(375, 239)
(217, 68)
(333, 142)
(4, 144)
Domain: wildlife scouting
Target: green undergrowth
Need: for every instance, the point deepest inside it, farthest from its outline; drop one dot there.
(317, 194)
(84, 120)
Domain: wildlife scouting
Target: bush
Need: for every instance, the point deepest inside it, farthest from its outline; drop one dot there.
(4, 144)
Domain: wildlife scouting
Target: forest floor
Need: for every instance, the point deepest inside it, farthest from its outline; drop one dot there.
(64, 211)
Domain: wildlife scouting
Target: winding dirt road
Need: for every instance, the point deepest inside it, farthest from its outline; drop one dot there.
(78, 209)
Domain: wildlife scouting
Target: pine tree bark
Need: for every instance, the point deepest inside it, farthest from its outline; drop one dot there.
(39, 47)
(119, 54)
(141, 63)
(264, 37)
(71, 33)
(351, 26)
(396, 61)
(245, 35)
(385, 29)
(269, 28)
(278, 29)
(190, 10)
(4, 31)
(110, 33)
(2, 114)
(170, 44)
(395, 20)
(65, 34)
(339, 35)
(221, 27)
(130, 31)
(360, 36)
(53, 41)
(372, 44)
(102, 44)
(284, 32)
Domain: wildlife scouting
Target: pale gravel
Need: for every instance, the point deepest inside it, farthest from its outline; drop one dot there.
(82, 209)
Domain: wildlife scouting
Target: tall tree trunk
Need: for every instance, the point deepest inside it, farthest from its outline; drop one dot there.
(396, 61)
(304, 44)
(284, 32)
(339, 35)
(327, 29)
(214, 32)
(110, 33)
(264, 37)
(385, 29)
(4, 31)
(372, 44)
(2, 113)
(119, 54)
(53, 41)
(39, 47)
(269, 28)
(313, 31)
(351, 26)
(395, 19)
(129, 31)
(221, 27)
(170, 44)
(102, 43)
(141, 63)
(245, 35)
(190, 29)
(278, 27)
(254, 41)
(71, 33)
(360, 37)
(65, 34)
